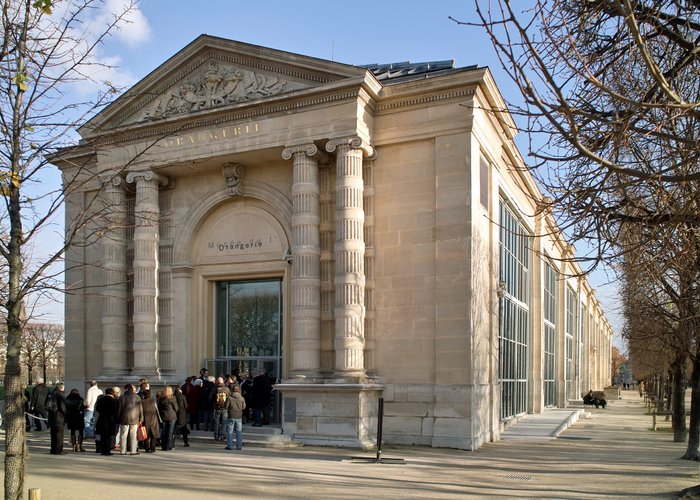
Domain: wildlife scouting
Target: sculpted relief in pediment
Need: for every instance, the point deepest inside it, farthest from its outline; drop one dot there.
(218, 85)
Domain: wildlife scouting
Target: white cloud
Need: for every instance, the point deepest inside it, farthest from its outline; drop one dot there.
(100, 65)
(133, 29)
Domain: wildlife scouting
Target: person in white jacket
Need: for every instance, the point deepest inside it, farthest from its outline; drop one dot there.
(90, 399)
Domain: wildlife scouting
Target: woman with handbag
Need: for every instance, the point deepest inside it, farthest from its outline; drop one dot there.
(151, 421)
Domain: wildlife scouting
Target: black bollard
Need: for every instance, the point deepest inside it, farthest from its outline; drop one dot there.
(380, 420)
(378, 459)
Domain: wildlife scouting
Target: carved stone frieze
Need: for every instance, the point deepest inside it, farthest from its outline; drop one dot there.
(217, 85)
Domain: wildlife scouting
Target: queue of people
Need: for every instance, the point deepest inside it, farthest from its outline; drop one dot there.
(132, 420)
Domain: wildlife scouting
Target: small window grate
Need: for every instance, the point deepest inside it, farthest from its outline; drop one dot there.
(517, 477)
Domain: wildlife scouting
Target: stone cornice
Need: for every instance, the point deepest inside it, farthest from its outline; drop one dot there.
(222, 116)
(423, 99)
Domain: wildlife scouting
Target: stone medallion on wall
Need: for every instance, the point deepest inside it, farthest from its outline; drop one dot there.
(240, 233)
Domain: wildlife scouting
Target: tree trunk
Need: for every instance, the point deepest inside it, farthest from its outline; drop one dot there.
(680, 432)
(694, 431)
(14, 393)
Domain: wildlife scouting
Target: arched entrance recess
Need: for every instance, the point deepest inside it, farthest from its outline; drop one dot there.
(236, 250)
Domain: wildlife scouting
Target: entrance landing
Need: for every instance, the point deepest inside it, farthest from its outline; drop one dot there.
(542, 426)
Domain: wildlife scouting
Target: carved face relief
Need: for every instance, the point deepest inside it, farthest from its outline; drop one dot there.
(217, 85)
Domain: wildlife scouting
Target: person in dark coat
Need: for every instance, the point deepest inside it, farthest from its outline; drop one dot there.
(75, 419)
(55, 403)
(27, 398)
(107, 409)
(193, 395)
(36, 404)
(246, 384)
(181, 422)
(260, 393)
(151, 420)
(206, 404)
(168, 412)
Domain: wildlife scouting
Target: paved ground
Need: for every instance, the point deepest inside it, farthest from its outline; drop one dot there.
(611, 454)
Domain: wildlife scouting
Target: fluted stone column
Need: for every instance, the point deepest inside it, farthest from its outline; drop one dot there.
(349, 256)
(114, 295)
(306, 263)
(145, 291)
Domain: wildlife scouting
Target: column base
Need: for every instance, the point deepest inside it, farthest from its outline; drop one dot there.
(151, 374)
(305, 377)
(331, 414)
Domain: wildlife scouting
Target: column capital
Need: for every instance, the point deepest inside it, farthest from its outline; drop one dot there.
(146, 175)
(309, 149)
(354, 142)
(113, 181)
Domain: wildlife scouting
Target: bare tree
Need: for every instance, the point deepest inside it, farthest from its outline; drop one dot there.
(617, 359)
(658, 295)
(44, 341)
(611, 103)
(611, 92)
(46, 48)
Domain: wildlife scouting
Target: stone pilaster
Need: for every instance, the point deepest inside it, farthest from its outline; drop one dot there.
(306, 267)
(147, 216)
(114, 295)
(370, 254)
(349, 257)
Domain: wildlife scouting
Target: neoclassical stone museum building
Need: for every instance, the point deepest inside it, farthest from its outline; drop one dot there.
(358, 232)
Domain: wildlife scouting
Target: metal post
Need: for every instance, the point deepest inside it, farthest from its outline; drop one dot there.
(380, 419)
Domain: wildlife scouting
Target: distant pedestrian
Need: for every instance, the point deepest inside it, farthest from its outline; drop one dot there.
(36, 404)
(221, 395)
(167, 405)
(181, 428)
(236, 405)
(260, 393)
(117, 393)
(107, 410)
(55, 405)
(206, 404)
(90, 399)
(75, 419)
(194, 394)
(130, 414)
(151, 420)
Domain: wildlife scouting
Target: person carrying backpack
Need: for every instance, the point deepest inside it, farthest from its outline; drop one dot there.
(220, 397)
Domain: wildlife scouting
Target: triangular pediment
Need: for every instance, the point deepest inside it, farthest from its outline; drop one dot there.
(210, 74)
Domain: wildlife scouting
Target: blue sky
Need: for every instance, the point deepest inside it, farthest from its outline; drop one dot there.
(358, 32)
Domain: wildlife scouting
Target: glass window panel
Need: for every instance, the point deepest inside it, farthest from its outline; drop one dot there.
(514, 313)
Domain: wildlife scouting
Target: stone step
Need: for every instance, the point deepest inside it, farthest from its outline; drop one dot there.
(267, 435)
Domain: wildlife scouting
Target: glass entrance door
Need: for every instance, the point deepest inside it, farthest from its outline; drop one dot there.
(249, 331)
